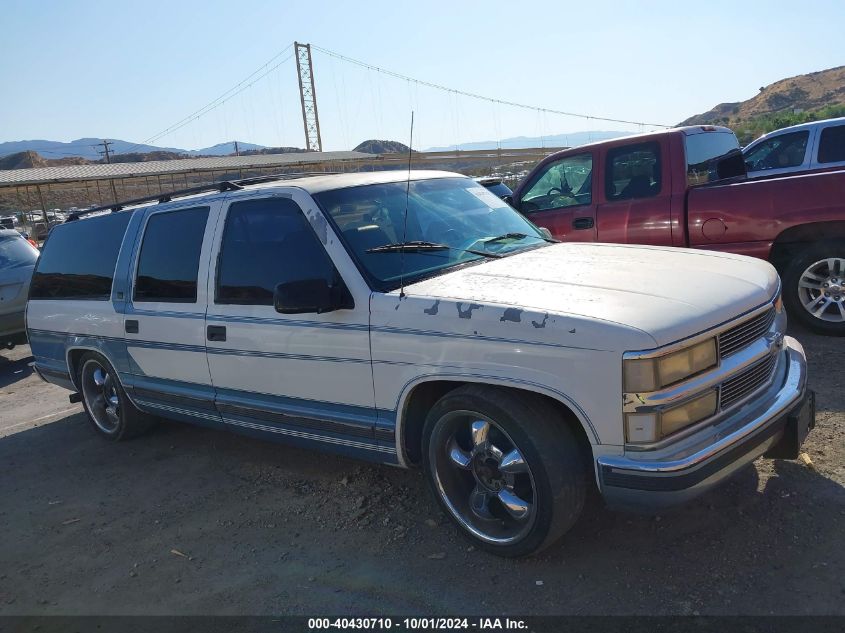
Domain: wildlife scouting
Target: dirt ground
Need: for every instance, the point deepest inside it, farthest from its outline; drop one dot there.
(192, 521)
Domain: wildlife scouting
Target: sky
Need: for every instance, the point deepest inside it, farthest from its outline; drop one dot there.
(131, 69)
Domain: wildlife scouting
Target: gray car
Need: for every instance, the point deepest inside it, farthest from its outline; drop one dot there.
(17, 260)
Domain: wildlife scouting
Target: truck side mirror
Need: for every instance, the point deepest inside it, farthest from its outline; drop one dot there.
(308, 296)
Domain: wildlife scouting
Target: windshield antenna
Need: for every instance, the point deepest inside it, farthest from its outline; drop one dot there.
(405, 220)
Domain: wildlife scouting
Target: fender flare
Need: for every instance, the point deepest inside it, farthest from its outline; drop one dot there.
(524, 385)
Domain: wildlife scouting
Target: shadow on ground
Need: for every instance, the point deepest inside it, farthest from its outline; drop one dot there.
(188, 520)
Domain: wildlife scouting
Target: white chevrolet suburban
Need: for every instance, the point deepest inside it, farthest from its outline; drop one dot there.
(414, 318)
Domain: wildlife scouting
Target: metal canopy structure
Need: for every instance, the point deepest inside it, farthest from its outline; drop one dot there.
(77, 173)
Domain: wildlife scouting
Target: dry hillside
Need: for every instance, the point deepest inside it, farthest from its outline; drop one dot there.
(785, 102)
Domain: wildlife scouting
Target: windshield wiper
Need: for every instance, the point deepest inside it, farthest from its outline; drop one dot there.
(422, 247)
(516, 236)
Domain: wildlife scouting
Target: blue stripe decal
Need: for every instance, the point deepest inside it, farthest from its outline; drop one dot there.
(360, 416)
(357, 327)
(131, 309)
(476, 337)
(312, 436)
(242, 352)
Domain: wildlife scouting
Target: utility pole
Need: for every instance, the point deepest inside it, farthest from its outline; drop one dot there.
(308, 97)
(105, 153)
(237, 153)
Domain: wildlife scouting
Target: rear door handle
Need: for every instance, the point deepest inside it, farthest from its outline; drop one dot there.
(216, 332)
(131, 326)
(583, 223)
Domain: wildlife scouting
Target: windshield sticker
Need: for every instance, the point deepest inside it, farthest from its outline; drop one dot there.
(488, 197)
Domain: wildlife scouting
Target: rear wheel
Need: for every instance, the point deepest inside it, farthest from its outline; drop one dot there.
(106, 403)
(814, 288)
(505, 467)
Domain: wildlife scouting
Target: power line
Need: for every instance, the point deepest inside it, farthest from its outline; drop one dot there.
(223, 98)
(478, 96)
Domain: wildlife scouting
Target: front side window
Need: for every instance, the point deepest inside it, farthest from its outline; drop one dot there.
(168, 264)
(443, 222)
(267, 242)
(633, 171)
(832, 144)
(564, 183)
(784, 150)
(79, 258)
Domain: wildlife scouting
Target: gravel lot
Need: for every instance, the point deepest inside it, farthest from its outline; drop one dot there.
(192, 521)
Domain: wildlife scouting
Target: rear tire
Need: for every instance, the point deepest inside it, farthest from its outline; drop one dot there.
(109, 409)
(505, 467)
(814, 287)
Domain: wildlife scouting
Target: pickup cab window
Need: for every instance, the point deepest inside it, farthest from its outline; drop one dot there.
(168, 264)
(832, 144)
(633, 171)
(704, 151)
(784, 150)
(563, 183)
(267, 242)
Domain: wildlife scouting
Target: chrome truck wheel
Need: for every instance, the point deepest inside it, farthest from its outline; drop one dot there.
(506, 468)
(109, 409)
(814, 288)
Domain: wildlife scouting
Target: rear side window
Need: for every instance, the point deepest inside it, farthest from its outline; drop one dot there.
(169, 261)
(16, 252)
(832, 144)
(79, 258)
(633, 171)
(267, 242)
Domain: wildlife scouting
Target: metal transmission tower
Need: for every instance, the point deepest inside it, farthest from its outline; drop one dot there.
(308, 97)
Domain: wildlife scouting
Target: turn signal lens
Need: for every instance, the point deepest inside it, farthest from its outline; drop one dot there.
(688, 413)
(641, 428)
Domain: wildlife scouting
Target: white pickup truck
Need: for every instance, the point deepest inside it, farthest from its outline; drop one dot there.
(414, 318)
(812, 146)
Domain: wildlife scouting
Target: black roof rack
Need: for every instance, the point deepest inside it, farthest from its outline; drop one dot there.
(221, 187)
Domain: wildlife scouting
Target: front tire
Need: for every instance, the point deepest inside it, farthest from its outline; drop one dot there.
(109, 409)
(814, 287)
(505, 467)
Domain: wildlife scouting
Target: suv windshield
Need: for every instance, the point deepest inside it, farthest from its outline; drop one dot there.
(452, 216)
(16, 252)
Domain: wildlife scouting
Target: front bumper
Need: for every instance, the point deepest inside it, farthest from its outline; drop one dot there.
(774, 422)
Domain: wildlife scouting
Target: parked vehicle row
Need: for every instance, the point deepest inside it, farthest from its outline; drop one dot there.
(414, 318)
(687, 187)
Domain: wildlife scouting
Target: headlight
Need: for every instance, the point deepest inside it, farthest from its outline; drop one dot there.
(650, 374)
(643, 428)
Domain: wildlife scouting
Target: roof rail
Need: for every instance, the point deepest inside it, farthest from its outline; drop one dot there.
(222, 187)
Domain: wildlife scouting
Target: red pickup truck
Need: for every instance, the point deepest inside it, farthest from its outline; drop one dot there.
(688, 187)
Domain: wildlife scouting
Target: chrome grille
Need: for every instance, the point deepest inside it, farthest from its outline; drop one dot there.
(742, 335)
(747, 382)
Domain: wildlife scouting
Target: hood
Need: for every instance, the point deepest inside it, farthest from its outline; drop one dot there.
(668, 293)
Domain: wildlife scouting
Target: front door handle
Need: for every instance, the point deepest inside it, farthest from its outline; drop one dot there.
(131, 326)
(582, 223)
(216, 332)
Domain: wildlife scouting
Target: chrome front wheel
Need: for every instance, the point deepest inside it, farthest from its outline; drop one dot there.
(505, 466)
(483, 478)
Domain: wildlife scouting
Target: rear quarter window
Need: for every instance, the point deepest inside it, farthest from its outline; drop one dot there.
(832, 144)
(78, 259)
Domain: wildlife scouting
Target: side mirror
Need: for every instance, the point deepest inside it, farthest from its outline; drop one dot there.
(731, 165)
(546, 232)
(307, 296)
(508, 199)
